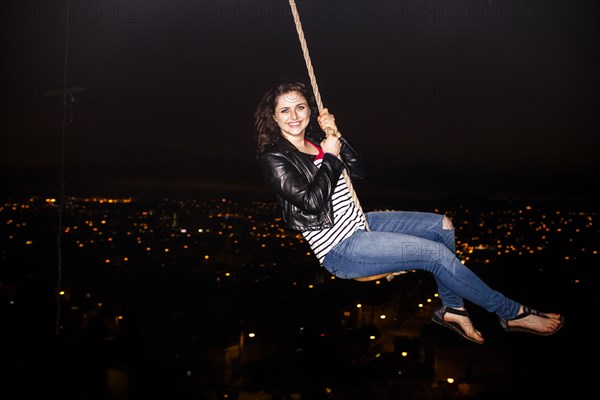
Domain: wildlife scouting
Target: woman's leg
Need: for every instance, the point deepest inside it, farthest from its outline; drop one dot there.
(438, 228)
(430, 248)
(425, 225)
(373, 252)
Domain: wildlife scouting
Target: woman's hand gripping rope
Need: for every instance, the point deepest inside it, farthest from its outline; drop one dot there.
(331, 143)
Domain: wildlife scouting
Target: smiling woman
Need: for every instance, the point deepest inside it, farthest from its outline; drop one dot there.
(303, 167)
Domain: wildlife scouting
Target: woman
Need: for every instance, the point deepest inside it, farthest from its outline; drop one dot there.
(304, 168)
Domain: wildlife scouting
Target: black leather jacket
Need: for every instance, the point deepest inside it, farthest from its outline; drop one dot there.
(304, 191)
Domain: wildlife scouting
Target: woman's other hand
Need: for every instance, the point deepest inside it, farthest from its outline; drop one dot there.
(331, 144)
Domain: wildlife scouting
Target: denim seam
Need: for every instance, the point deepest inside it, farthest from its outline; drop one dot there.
(342, 259)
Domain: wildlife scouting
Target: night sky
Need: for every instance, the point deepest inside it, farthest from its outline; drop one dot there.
(492, 97)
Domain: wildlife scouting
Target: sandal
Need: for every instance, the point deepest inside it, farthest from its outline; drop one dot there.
(438, 318)
(526, 312)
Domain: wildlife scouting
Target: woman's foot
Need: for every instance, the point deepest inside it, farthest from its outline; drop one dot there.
(458, 320)
(532, 321)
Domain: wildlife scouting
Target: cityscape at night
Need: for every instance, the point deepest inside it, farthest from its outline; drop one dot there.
(216, 299)
(143, 254)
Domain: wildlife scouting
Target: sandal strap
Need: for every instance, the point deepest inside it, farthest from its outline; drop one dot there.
(526, 312)
(529, 311)
(451, 310)
(535, 312)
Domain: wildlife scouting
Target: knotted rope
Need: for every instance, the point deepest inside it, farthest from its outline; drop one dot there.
(315, 87)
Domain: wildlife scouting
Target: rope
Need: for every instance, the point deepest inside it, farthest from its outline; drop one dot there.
(311, 72)
(313, 82)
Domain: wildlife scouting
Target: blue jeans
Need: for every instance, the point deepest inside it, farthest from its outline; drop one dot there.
(407, 240)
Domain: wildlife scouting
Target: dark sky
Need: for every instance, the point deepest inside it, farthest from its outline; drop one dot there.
(493, 97)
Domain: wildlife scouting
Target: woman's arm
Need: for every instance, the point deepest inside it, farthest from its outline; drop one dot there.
(287, 181)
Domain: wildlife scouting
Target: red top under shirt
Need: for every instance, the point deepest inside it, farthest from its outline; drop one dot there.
(321, 153)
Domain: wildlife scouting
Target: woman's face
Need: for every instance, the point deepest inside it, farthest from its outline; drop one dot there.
(292, 114)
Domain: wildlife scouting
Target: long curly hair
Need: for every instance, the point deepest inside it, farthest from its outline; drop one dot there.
(267, 130)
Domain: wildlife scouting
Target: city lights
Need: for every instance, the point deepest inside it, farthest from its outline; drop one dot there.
(217, 268)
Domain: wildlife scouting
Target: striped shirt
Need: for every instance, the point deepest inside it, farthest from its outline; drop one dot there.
(347, 219)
